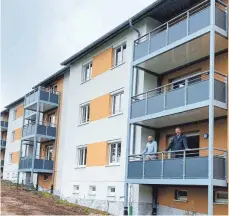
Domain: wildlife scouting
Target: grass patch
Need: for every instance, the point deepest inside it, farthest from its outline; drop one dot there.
(46, 194)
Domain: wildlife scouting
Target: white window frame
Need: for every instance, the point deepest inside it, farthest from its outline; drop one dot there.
(109, 192)
(14, 114)
(180, 199)
(53, 89)
(91, 191)
(47, 156)
(221, 201)
(116, 152)
(83, 77)
(76, 189)
(13, 136)
(87, 113)
(119, 93)
(122, 56)
(78, 149)
(10, 159)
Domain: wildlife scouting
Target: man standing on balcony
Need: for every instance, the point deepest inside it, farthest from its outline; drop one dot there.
(150, 149)
(178, 142)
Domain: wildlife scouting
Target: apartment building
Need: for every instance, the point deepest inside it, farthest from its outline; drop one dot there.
(83, 129)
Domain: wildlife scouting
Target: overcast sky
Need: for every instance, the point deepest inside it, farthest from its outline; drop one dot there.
(36, 35)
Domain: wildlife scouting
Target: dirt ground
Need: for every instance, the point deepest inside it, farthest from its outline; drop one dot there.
(21, 201)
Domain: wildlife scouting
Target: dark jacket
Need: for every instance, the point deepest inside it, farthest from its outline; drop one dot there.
(178, 143)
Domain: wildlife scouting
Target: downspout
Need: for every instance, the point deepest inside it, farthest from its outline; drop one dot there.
(134, 28)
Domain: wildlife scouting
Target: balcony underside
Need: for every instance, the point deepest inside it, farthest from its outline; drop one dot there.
(181, 52)
(182, 115)
(39, 138)
(44, 106)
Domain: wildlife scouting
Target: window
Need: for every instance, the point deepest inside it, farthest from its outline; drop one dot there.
(53, 88)
(76, 189)
(13, 136)
(114, 152)
(110, 191)
(117, 101)
(120, 54)
(46, 177)
(82, 156)
(92, 190)
(14, 114)
(84, 113)
(86, 72)
(52, 119)
(221, 197)
(181, 195)
(10, 158)
(49, 152)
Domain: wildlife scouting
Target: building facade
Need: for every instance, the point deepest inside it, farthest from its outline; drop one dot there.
(80, 132)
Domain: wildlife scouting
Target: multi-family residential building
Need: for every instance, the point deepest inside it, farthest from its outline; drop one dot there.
(83, 130)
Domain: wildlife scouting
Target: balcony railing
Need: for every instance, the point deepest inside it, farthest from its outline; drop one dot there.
(189, 164)
(43, 129)
(40, 165)
(183, 92)
(193, 20)
(43, 95)
(4, 125)
(3, 144)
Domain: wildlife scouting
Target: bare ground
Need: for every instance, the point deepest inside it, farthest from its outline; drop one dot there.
(21, 201)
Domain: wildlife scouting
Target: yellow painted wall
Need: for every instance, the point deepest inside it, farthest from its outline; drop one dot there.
(15, 157)
(100, 107)
(17, 133)
(102, 62)
(20, 111)
(220, 138)
(45, 184)
(197, 200)
(97, 154)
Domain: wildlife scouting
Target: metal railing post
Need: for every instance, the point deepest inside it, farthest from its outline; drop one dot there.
(162, 165)
(167, 33)
(143, 167)
(184, 163)
(164, 98)
(187, 23)
(146, 103)
(43, 163)
(185, 91)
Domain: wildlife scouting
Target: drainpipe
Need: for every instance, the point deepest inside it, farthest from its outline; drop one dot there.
(134, 28)
(155, 200)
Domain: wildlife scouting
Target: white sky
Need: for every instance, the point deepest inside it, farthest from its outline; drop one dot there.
(36, 35)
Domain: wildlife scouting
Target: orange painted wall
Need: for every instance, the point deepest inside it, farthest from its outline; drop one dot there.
(45, 184)
(197, 200)
(100, 107)
(17, 133)
(15, 157)
(43, 149)
(20, 110)
(102, 62)
(221, 65)
(220, 138)
(97, 154)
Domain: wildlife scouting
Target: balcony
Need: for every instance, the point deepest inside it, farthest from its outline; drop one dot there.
(2, 163)
(181, 101)
(4, 126)
(46, 98)
(3, 144)
(43, 131)
(40, 165)
(181, 40)
(185, 168)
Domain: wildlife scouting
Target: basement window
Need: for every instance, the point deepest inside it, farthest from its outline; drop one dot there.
(46, 177)
(181, 195)
(221, 197)
(76, 189)
(110, 191)
(92, 190)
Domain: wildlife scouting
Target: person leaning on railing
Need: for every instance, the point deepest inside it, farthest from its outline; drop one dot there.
(150, 149)
(178, 142)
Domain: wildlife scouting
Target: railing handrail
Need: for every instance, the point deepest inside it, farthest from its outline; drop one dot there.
(36, 157)
(184, 150)
(165, 24)
(44, 123)
(179, 80)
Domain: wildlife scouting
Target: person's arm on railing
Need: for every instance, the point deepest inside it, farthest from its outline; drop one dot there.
(170, 145)
(185, 143)
(145, 150)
